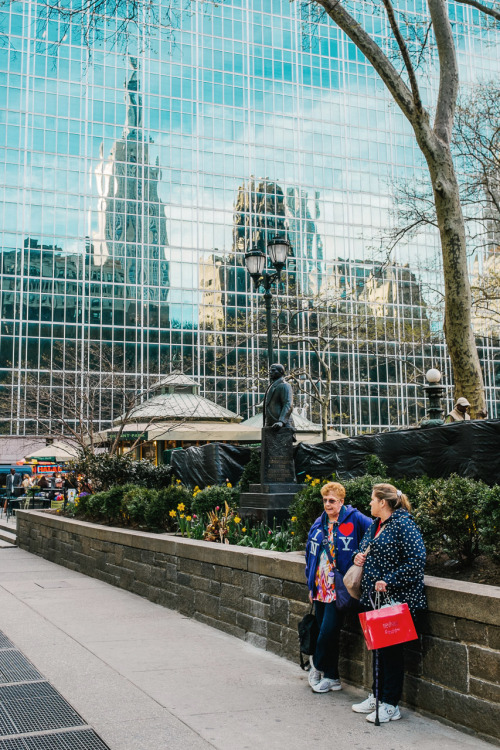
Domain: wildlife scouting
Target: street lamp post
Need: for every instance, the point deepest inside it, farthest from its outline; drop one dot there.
(434, 391)
(255, 262)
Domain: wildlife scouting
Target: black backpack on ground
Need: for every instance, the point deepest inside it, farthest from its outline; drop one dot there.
(308, 636)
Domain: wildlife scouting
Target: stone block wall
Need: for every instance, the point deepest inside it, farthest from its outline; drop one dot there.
(453, 671)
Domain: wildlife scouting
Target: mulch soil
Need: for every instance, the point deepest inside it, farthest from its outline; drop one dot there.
(483, 570)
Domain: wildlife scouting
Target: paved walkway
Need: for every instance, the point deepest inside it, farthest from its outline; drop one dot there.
(146, 677)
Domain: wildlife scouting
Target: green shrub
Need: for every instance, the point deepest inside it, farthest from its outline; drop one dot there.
(489, 521)
(105, 471)
(448, 513)
(94, 506)
(113, 502)
(146, 474)
(211, 497)
(81, 504)
(375, 467)
(135, 503)
(358, 491)
(251, 472)
(306, 506)
(157, 514)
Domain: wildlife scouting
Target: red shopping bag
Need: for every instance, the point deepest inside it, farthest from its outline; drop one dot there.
(387, 626)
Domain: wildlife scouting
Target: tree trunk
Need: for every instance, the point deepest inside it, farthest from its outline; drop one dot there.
(325, 403)
(460, 339)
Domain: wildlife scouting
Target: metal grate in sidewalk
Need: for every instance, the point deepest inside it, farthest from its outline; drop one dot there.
(5, 642)
(15, 667)
(33, 714)
(82, 740)
(39, 714)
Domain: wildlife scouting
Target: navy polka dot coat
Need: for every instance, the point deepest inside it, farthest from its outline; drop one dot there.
(397, 556)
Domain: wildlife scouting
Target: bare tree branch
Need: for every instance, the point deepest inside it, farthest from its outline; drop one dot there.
(380, 62)
(481, 7)
(404, 53)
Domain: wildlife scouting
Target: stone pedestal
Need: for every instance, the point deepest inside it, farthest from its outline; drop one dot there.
(271, 498)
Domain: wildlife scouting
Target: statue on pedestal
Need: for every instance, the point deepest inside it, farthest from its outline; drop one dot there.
(278, 400)
(271, 499)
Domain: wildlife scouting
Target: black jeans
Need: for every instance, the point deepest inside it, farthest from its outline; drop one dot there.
(326, 655)
(391, 672)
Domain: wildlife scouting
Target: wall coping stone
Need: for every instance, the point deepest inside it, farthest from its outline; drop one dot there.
(473, 601)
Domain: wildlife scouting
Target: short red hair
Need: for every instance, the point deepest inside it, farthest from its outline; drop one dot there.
(335, 487)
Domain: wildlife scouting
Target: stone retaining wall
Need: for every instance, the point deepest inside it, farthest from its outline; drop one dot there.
(453, 672)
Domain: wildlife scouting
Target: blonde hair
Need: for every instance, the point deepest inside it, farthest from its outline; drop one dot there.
(335, 487)
(392, 496)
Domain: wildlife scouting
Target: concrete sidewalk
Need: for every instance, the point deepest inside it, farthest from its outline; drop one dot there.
(146, 677)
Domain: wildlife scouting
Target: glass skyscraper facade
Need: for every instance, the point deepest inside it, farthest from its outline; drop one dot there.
(138, 169)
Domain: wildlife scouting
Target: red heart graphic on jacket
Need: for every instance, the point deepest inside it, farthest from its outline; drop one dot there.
(346, 528)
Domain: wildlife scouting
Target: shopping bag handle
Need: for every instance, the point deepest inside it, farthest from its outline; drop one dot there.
(381, 598)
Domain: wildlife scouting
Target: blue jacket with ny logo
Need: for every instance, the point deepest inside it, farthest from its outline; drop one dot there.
(349, 530)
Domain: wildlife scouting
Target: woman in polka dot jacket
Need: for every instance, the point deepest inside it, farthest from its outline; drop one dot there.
(394, 565)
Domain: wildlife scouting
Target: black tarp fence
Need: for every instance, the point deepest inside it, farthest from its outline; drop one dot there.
(210, 464)
(469, 449)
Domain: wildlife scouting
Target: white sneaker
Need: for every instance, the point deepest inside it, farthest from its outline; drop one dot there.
(366, 706)
(314, 677)
(326, 684)
(386, 712)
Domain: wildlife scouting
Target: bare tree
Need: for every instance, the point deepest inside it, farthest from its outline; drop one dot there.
(77, 396)
(319, 331)
(476, 148)
(433, 136)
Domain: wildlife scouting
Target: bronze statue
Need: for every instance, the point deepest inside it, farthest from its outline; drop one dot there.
(278, 401)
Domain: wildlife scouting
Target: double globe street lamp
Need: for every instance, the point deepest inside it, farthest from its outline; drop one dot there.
(255, 262)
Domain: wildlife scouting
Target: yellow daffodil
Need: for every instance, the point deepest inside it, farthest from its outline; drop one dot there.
(181, 506)
(188, 518)
(237, 519)
(182, 515)
(172, 514)
(294, 518)
(243, 529)
(228, 484)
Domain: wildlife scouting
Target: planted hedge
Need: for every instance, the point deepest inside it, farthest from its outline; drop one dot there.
(457, 516)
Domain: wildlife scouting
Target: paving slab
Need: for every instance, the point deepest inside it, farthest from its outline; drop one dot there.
(143, 676)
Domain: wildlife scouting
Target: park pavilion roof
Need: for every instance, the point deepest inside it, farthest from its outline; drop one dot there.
(302, 425)
(178, 400)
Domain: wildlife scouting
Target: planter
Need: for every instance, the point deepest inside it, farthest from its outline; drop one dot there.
(260, 596)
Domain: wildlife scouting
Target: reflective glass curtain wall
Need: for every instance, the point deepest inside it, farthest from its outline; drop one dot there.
(138, 170)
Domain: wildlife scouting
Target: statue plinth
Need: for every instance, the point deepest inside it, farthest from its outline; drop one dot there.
(276, 464)
(271, 498)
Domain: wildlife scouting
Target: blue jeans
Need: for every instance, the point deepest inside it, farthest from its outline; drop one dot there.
(326, 655)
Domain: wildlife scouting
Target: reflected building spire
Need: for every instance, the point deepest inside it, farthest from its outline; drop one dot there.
(132, 230)
(134, 102)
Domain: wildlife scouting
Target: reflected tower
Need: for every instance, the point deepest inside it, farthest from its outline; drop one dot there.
(132, 231)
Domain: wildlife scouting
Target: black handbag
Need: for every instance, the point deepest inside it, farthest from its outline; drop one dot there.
(308, 635)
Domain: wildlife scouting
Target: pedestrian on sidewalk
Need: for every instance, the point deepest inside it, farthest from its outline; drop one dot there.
(12, 483)
(394, 566)
(331, 541)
